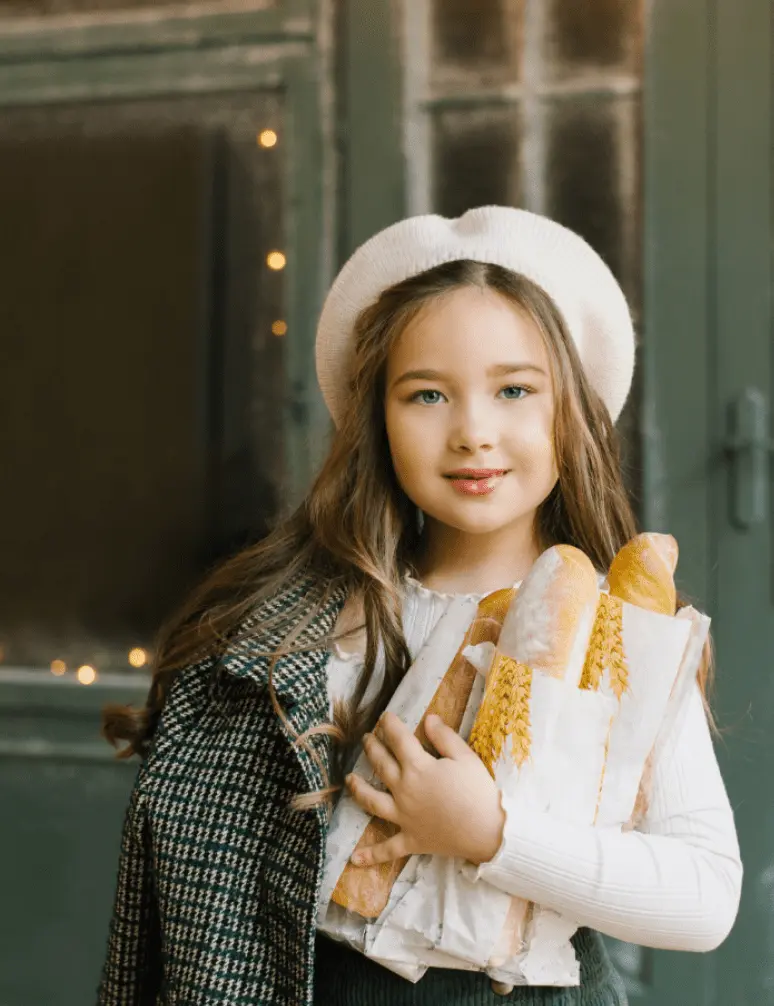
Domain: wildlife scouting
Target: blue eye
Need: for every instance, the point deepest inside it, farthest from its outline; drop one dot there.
(416, 397)
(515, 387)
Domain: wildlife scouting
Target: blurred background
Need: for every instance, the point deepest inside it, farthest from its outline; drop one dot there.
(178, 185)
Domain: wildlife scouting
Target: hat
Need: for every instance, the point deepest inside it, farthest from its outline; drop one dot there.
(568, 269)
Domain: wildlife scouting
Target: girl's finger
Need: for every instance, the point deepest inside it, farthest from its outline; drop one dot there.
(384, 852)
(385, 765)
(400, 740)
(447, 742)
(371, 800)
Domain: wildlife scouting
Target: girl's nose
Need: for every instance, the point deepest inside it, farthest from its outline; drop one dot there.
(472, 429)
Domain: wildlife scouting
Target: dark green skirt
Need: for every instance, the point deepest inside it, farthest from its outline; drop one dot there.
(346, 978)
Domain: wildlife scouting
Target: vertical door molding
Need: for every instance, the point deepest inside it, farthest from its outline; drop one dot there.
(677, 185)
(676, 357)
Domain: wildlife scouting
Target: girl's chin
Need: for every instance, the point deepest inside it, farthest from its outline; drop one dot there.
(479, 523)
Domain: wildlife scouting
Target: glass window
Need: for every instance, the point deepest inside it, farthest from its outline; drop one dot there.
(592, 185)
(141, 431)
(480, 37)
(596, 35)
(476, 158)
(592, 179)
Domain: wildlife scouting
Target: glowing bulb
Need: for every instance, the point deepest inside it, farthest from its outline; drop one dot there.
(138, 657)
(58, 667)
(280, 328)
(268, 138)
(276, 260)
(86, 675)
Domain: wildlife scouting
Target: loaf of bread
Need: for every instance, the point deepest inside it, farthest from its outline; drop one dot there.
(643, 573)
(547, 629)
(365, 890)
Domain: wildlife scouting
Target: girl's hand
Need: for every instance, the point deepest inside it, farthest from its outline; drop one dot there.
(447, 806)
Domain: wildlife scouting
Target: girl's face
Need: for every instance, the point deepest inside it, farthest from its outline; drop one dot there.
(468, 386)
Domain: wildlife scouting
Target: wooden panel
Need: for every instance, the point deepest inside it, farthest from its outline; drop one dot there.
(743, 357)
(158, 27)
(676, 243)
(57, 8)
(369, 121)
(677, 131)
(64, 798)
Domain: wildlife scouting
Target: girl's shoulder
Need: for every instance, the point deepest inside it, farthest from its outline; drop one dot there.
(189, 697)
(226, 682)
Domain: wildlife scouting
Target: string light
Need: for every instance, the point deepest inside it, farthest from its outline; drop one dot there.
(276, 260)
(58, 667)
(138, 657)
(86, 675)
(268, 138)
(279, 328)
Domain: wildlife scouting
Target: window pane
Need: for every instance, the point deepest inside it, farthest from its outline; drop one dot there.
(592, 178)
(476, 159)
(593, 186)
(141, 429)
(482, 37)
(596, 35)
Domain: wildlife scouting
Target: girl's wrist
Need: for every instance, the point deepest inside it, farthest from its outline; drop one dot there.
(492, 833)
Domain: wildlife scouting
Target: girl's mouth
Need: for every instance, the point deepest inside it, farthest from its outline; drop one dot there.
(476, 487)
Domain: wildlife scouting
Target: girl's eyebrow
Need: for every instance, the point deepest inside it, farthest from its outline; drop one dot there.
(498, 370)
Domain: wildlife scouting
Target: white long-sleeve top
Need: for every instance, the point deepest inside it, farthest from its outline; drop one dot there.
(674, 883)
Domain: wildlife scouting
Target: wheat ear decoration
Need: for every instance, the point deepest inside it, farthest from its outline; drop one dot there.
(606, 649)
(504, 713)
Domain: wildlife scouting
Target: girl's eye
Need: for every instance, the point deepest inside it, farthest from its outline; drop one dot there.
(416, 397)
(521, 391)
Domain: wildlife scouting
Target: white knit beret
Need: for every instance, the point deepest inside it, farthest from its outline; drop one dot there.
(568, 269)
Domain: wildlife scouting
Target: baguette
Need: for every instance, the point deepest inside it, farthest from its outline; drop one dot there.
(643, 573)
(365, 890)
(547, 629)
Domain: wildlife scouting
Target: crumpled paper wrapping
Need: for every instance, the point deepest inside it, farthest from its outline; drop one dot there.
(662, 655)
(588, 751)
(349, 821)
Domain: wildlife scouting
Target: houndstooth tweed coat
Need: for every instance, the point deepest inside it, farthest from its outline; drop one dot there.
(218, 877)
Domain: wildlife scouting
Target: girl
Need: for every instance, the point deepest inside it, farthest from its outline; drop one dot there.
(474, 369)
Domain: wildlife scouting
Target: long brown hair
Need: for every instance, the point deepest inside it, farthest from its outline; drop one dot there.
(357, 531)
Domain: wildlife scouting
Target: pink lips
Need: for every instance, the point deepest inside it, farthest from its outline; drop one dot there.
(480, 486)
(475, 473)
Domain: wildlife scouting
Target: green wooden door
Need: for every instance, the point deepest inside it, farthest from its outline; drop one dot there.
(743, 588)
(94, 111)
(708, 348)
